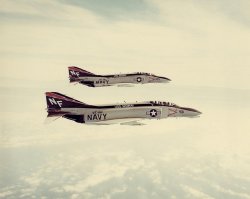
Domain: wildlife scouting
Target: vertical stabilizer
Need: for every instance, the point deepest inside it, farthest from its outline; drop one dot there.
(75, 73)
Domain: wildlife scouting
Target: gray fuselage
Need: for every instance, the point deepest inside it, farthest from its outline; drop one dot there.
(137, 78)
(130, 112)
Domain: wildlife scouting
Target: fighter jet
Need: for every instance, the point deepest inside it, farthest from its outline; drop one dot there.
(78, 75)
(59, 105)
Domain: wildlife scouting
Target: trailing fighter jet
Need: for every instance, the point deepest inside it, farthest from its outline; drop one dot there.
(59, 105)
(81, 76)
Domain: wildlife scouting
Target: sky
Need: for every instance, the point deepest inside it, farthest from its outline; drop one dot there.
(182, 39)
(202, 46)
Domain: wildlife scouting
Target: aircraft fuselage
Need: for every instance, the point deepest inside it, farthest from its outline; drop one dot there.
(92, 80)
(99, 81)
(129, 112)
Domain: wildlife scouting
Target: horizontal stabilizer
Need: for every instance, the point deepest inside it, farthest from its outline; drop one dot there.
(48, 120)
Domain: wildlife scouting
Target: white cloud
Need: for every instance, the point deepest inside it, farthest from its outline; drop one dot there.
(106, 171)
(196, 193)
(5, 194)
(231, 192)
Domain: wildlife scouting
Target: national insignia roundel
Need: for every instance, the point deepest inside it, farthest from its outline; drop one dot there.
(153, 113)
(138, 79)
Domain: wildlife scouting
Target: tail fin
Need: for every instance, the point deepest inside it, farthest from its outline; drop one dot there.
(75, 73)
(57, 101)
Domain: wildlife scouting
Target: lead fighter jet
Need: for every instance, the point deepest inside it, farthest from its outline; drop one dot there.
(59, 105)
(84, 77)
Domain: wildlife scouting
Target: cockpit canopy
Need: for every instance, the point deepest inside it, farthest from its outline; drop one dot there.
(142, 73)
(159, 103)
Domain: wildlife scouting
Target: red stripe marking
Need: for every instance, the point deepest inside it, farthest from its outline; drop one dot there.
(173, 111)
(61, 97)
(79, 70)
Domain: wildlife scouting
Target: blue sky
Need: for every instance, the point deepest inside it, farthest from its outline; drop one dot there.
(115, 9)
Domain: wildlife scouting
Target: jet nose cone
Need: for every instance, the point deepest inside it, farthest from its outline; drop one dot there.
(196, 111)
(199, 112)
(190, 112)
(165, 79)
